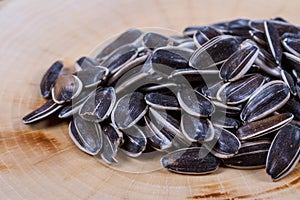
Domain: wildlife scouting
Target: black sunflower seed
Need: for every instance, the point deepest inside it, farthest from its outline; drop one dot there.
(49, 78)
(196, 160)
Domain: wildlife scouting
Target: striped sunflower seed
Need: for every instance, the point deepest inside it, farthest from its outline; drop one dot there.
(196, 160)
(266, 100)
(284, 153)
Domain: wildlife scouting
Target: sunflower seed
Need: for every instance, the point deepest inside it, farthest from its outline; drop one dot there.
(223, 121)
(264, 60)
(239, 27)
(264, 126)
(194, 103)
(74, 135)
(49, 78)
(228, 109)
(155, 137)
(238, 63)
(90, 134)
(221, 26)
(292, 106)
(42, 112)
(269, 98)
(130, 65)
(224, 144)
(129, 110)
(274, 44)
(240, 91)
(288, 79)
(120, 58)
(93, 76)
(284, 153)
(66, 88)
(164, 61)
(214, 52)
(134, 141)
(251, 155)
(259, 37)
(112, 139)
(282, 27)
(197, 129)
(128, 37)
(164, 120)
(199, 38)
(292, 45)
(162, 101)
(99, 105)
(85, 63)
(289, 36)
(154, 40)
(196, 160)
(209, 31)
(292, 61)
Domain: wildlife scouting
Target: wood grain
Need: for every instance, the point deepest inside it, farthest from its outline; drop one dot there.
(41, 162)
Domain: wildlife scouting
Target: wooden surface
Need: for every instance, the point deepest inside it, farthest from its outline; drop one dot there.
(41, 162)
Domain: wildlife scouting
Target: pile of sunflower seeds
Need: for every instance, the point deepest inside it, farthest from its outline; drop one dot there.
(223, 94)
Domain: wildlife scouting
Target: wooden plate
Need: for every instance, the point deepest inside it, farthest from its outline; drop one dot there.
(41, 162)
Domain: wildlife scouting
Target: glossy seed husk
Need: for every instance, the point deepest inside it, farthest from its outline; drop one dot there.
(92, 76)
(134, 141)
(128, 37)
(239, 63)
(197, 129)
(49, 78)
(98, 106)
(284, 153)
(86, 63)
(90, 134)
(153, 40)
(269, 98)
(164, 61)
(214, 52)
(195, 103)
(73, 107)
(251, 155)
(42, 112)
(224, 144)
(162, 101)
(196, 160)
(129, 110)
(264, 126)
(273, 39)
(112, 139)
(66, 88)
(240, 91)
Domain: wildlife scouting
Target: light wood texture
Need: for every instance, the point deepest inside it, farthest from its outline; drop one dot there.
(41, 162)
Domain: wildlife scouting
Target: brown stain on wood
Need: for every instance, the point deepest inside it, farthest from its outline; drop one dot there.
(42, 140)
(29, 139)
(276, 189)
(225, 195)
(2, 167)
(214, 195)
